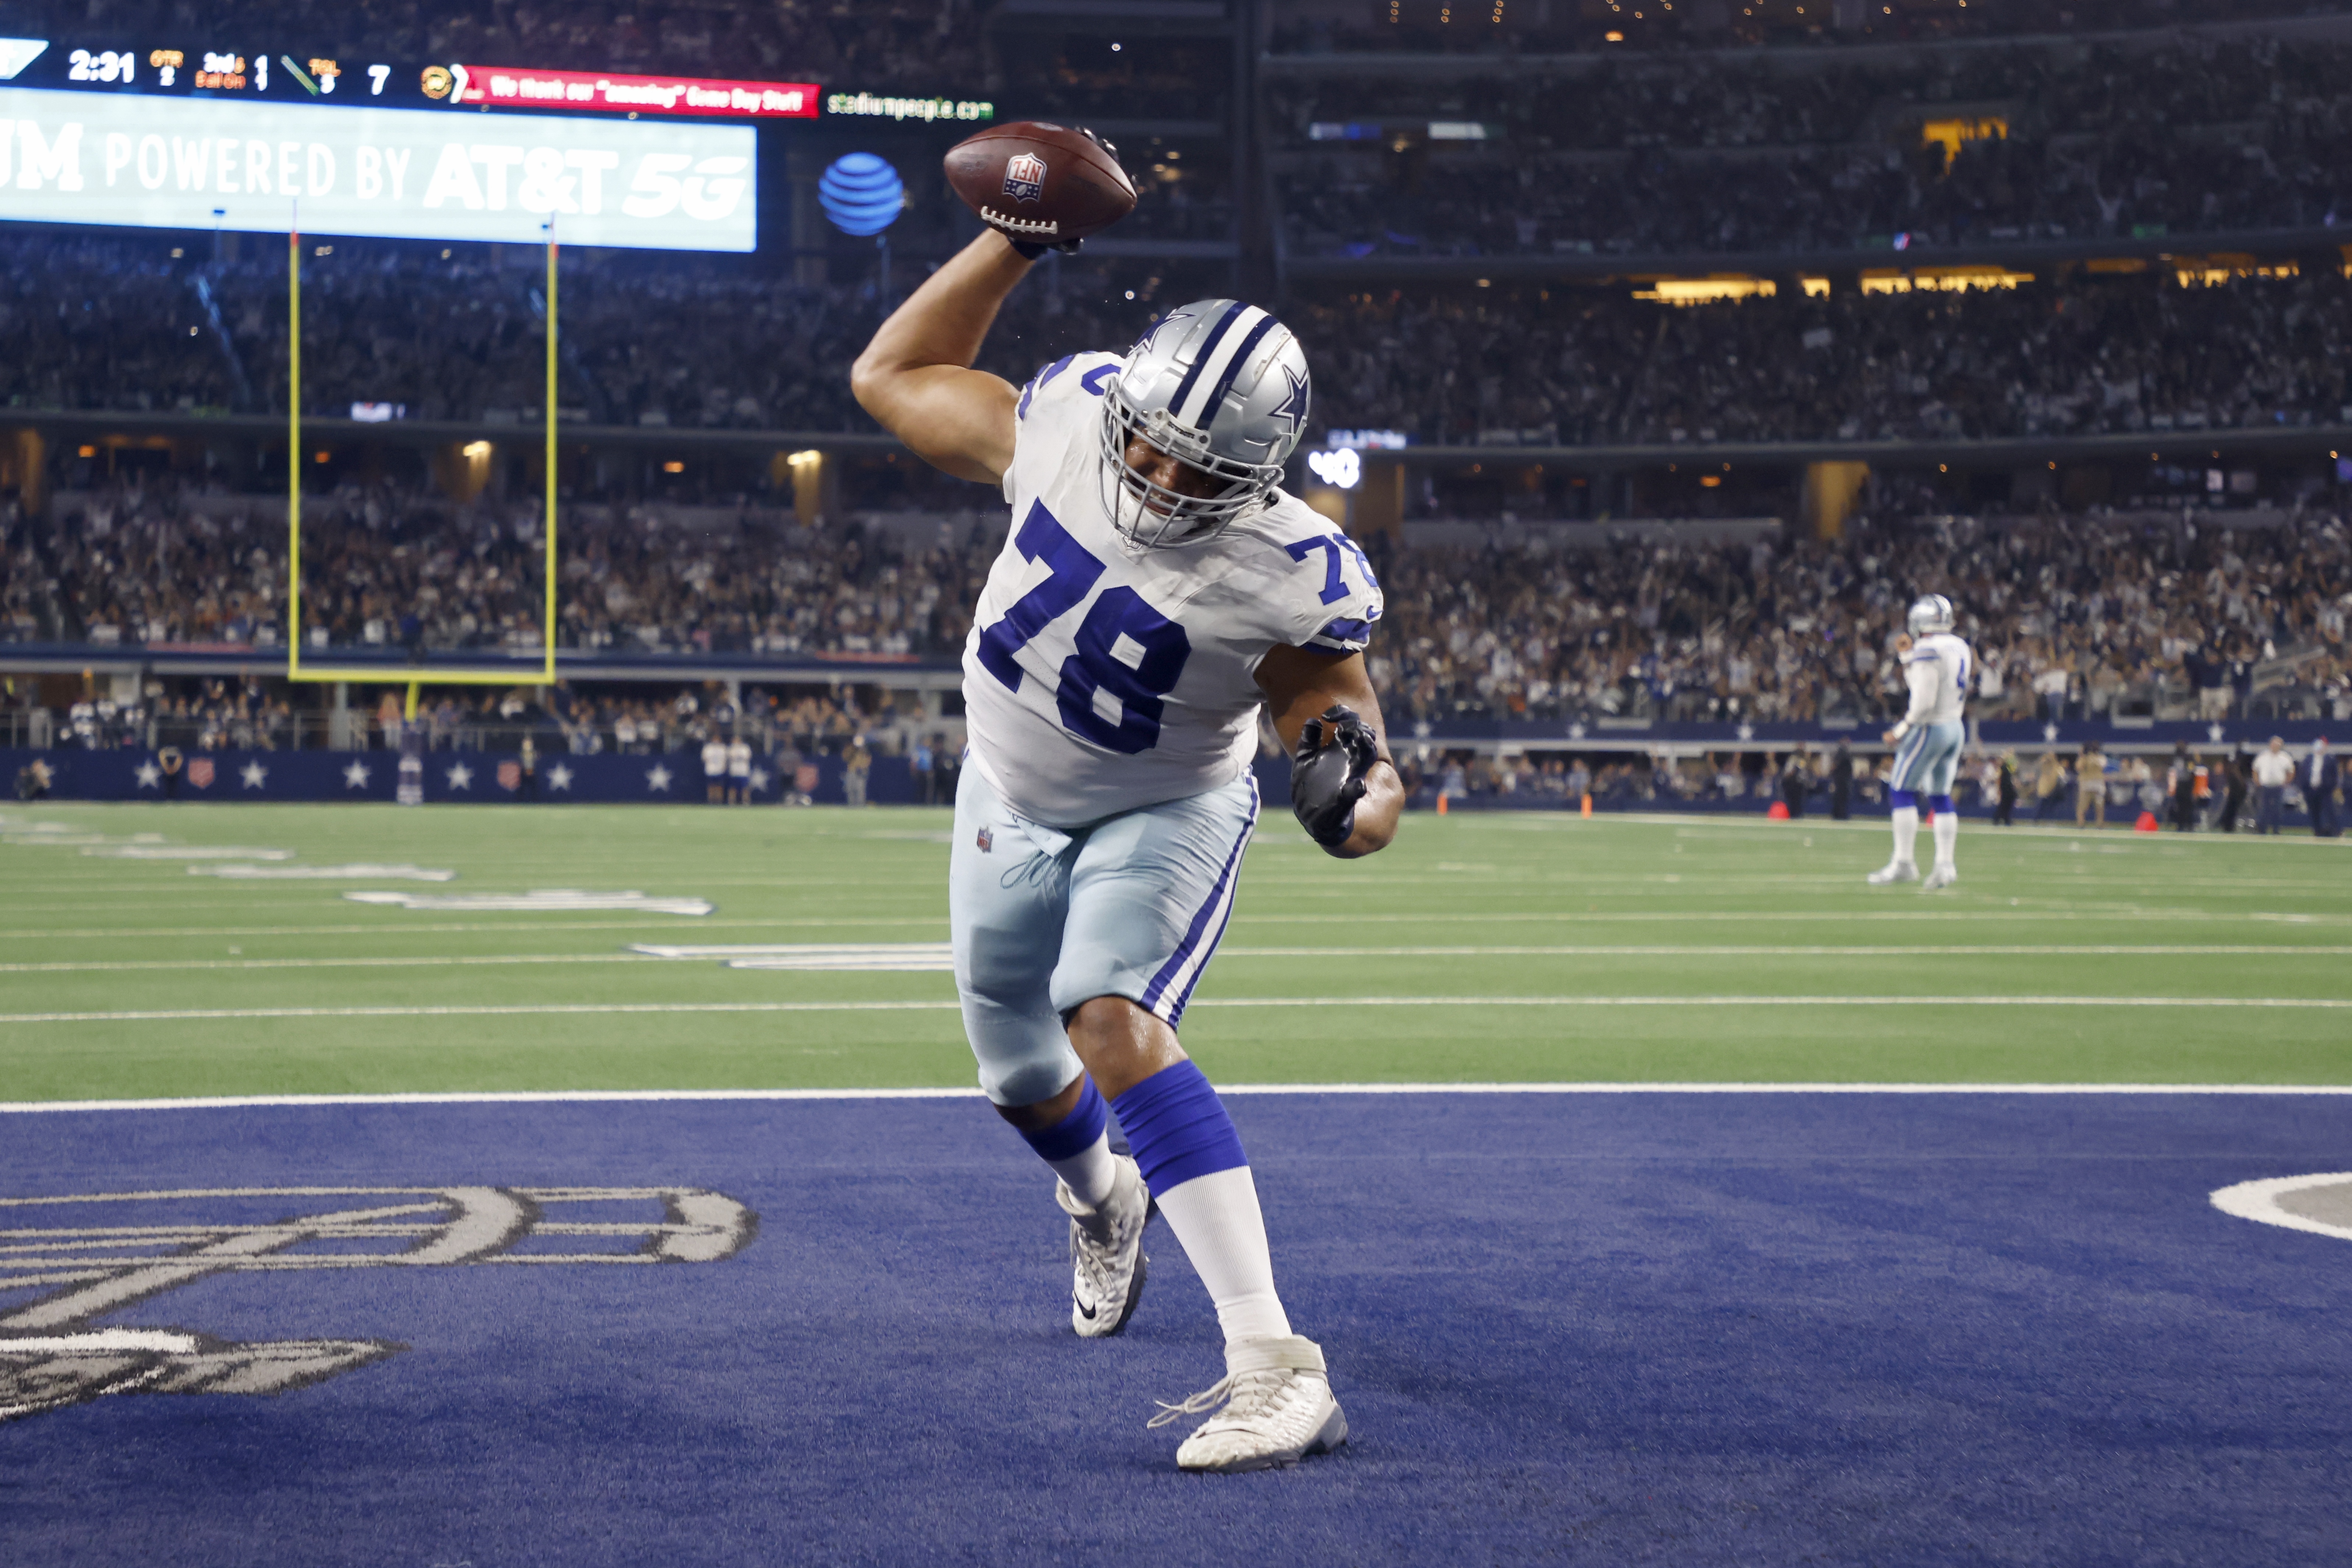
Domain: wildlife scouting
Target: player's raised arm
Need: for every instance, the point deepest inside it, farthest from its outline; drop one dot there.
(916, 376)
(1344, 782)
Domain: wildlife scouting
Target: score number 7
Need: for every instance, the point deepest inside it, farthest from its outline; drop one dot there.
(1096, 667)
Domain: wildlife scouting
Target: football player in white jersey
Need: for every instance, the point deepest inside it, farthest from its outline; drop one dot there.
(1155, 591)
(1927, 743)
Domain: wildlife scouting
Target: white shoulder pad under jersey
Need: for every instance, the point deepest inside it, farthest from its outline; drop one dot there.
(1100, 677)
(1941, 664)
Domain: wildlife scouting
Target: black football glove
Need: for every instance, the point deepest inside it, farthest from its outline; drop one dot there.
(1327, 776)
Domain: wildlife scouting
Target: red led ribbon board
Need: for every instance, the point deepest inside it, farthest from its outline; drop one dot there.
(507, 87)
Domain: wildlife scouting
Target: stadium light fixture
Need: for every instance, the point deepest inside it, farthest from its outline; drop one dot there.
(478, 451)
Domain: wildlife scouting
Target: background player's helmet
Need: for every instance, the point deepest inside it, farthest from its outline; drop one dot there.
(1932, 612)
(1220, 384)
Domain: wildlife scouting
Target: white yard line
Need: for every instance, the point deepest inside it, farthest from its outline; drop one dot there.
(631, 1096)
(651, 954)
(437, 961)
(404, 928)
(563, 1009)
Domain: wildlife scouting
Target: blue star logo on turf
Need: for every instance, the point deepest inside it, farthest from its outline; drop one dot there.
(1745, 732)
(2048, 732)
(355, 776)
(2213, 733)
(658, 778)
(150, 775)
(460, 776)
(560, 777)
(1294, 405)
(254, 775)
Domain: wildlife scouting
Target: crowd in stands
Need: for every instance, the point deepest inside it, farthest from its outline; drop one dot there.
(2055, 89)
(385, 570)
(1439, 27)
(2071, 617)
(790, 723)
(123, 324)
(2090, 353)
(2075, 355)
(2191, 137)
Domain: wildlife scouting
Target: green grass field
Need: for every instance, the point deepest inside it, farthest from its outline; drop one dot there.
(1481, 948)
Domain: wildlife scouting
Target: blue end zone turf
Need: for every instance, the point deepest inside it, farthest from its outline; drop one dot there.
(1686, 1328)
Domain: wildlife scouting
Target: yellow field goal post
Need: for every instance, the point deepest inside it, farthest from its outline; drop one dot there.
(295, 670)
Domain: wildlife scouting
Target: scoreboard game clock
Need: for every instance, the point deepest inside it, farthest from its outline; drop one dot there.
(218, 68)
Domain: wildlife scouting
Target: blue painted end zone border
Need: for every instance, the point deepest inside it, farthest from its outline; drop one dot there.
(1713, 1326)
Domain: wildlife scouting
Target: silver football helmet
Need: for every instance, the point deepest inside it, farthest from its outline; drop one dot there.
(1219, 385)
(1932, 612)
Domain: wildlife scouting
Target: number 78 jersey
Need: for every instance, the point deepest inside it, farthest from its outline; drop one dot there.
(1100, 677)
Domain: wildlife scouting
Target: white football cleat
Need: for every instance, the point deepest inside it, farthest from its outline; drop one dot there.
(1278, 1409)
(1894, 871)
(1106, 1261)
(1941, 876)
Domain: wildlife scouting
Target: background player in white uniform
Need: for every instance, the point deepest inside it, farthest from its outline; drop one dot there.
(1155, 591)
(1927, 742)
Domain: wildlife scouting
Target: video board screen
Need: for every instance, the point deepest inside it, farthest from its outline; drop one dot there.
(150, 162)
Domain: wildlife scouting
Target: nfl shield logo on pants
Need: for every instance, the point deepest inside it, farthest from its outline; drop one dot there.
(1024, 176)
(200, 771)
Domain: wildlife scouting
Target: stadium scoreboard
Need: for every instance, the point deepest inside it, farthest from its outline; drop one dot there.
(200, 133)
(141, 161)
(300, 77)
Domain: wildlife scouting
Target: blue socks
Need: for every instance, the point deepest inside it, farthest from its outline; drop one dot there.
(1178, 1127)
(1078, 1147)
(1191, 1160)
(1075, 1132)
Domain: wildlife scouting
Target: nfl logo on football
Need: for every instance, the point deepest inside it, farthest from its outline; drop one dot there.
(1024, 176)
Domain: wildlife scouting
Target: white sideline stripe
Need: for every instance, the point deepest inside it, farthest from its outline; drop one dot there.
(112, 966)
(659, 1096)
(643, 952)
(559, 1009)
(2258, 1201)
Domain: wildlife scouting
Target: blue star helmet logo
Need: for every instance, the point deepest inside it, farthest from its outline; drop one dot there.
(1294, 406)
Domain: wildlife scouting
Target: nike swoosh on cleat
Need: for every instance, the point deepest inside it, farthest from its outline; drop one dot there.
(1084, 1310)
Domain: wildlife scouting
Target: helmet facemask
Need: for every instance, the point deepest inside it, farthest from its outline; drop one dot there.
(1150, 514)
